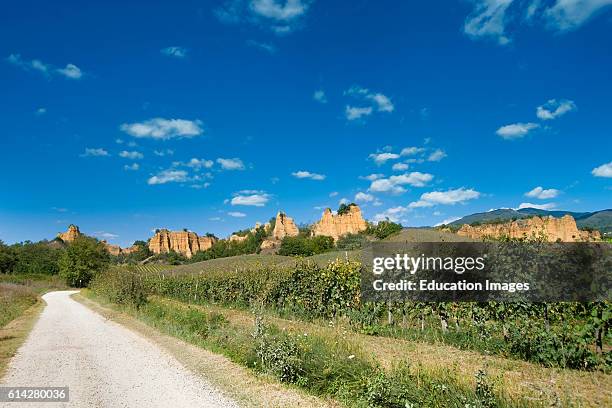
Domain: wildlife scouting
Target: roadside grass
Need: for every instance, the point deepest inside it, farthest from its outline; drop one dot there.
(14, 300)
(518, 381)
(323, 361)
(39, 283)
(19, 308)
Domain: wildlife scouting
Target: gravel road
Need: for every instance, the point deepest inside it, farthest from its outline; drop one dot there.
(103, 363)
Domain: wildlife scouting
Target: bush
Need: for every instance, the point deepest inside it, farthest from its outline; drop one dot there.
(305, 246)
(351, 242)
(83, 259)
(384, 229)
(345, 208)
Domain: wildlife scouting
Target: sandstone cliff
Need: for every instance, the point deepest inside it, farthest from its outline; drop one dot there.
(284, 227)
(70, 235)
(185, 243)
(551, 229)
(237, 238)
(335, 226)
(116, 250)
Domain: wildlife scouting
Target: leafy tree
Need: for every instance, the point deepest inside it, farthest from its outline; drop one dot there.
(38, 258)
(82, 260)
(345, 208)
(384, 228)
(8, 258)
(141, 253)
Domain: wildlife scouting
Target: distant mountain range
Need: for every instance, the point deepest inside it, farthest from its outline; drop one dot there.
(598, 220)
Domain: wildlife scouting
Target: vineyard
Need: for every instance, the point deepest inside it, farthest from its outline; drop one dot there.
(571, 336)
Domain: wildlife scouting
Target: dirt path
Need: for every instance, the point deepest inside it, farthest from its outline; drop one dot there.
(103, 363)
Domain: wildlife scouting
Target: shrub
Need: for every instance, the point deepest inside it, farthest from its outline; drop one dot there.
(83, 259)
(351, 242)
(345, 208)
(384, 229)
(305, 246)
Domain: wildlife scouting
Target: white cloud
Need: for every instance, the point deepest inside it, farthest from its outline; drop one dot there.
(376, 100)
(354, 113)
(449, 197)
(383, 102)
(197, 164)
(571, 14)
(269, 48)
(394, 214)
(34, 64)
(258, 199)
(320, 96)
(94, 152)
(605, 170)
(132, 167)
(333, 194)
(547, 206)
(516, 130)
(364, 197)
(409, 151)
(71, 71)
(279, 16)
(394, 184)
(542, 194)
(168, 176)
(553, 109)
(372, 177)
(436, 155)
(306, 174)
(231, 164)
(279, 10)
(131, 155)
(41, 111)
(200, 186)
(400, 167)
(163, 129)
(491, 18)
(175, 51)
(236, 214)
(488, 20)
(343, 201)
(162, 153)
(382, 158)
(447, 221)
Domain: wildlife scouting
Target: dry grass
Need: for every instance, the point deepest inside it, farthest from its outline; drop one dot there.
(517, 380)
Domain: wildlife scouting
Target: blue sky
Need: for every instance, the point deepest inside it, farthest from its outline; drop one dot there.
(125, 117)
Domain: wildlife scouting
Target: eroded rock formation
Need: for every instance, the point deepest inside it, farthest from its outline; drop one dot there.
(335, 226)
(551, 229)
(116, 250)
(284, 227)
(237, 238)
(185, 243)
(70, 235)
